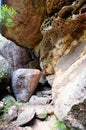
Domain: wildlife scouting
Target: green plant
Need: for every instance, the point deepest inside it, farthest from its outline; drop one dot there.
(61, 125)
(55, 124)
(9, 102)
(43, 114)
(2, 76)
(6, 16)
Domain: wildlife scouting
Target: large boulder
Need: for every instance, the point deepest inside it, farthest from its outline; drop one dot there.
(30, 15)
(70, 106)
(18, 57)
(24, 83)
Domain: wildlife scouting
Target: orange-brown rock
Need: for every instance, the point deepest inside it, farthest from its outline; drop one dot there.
(56, 5)
(59, 39)
(30, 15)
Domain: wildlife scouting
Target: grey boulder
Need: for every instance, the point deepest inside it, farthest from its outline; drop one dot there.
(17, 56)
(24, 83)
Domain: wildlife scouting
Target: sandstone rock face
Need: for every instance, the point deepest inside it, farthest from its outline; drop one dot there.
(69, 67)
(24, 83)
(55, 5)
(71, 103)
(30, 15)
(59, 39)
(62, 35)
(63, 55)
(69, 86)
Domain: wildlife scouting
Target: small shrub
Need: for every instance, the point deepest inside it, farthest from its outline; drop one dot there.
(6, 16)
(56, 124)
(61, 125)
(2, 76)
(10, 101)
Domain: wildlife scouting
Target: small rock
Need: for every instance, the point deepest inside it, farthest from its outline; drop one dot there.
(12, 113)
(24, 83)
(27, 128)
(35, 100)
(42, 111)
(1, 105)
(43, 93)
(12, 126)
(43, 79)
(25, 116)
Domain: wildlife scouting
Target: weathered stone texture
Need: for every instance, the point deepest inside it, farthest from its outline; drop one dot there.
(30, 15)
(68, 67)
(71, 103)
(24, 83)
(55, 5)
(59, 39)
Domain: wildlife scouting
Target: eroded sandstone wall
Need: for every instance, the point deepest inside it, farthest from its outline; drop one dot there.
(62, 33)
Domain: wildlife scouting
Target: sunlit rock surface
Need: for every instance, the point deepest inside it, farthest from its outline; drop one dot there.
(69, 67)
(62, 34)
(70, 105)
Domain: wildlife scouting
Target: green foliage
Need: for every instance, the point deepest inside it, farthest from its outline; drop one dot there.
(2, 76)
(9, 102)
(44, 114)
(55, 124)
(7, 15)
(61, 125)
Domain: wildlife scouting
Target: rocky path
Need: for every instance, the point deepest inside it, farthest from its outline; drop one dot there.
(45, 77)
